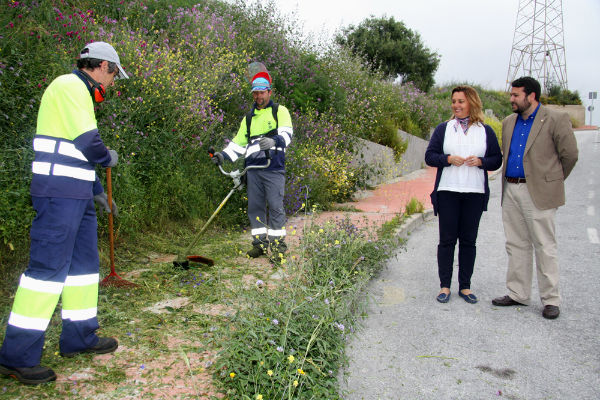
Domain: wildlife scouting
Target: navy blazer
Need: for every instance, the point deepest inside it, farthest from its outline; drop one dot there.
(435, 157)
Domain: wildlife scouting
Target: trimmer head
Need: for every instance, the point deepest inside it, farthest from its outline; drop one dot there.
(202, 260)
(199, 259)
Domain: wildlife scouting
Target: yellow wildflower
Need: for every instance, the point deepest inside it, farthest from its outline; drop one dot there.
(291, 358)
(295, 383)
(301, 372)
(232, 375)
(270, 372)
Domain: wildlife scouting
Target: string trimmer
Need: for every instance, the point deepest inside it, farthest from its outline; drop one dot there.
(184, 261)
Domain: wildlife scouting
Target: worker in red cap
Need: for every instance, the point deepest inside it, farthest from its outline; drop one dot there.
(267, 127)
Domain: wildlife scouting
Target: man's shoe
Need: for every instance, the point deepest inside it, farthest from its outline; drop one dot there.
(29, 375)
(255, 251)
(551, 312)
(506, 301)
(105, 345)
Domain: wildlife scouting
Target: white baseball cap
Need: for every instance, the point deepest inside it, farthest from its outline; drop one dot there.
(103, 51)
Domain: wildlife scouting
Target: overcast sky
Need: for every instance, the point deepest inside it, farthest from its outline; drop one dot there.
(473, 37)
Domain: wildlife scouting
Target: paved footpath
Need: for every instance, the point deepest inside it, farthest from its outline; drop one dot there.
(412, 347)
(380, 205)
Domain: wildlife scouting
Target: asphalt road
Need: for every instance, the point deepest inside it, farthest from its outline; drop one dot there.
(412, 347)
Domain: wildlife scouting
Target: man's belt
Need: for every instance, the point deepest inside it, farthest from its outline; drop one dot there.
(515, 180)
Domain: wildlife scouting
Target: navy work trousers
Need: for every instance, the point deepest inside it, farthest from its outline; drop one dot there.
(64, 245)
(459, 215)
(265, 189)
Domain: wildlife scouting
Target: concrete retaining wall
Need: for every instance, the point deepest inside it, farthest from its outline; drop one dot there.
(575, 112)
(379, 160)
(414, 156)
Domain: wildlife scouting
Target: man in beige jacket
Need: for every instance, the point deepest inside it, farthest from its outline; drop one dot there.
(539, 151)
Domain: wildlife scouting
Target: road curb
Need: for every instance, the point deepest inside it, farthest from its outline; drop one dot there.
(413, 222)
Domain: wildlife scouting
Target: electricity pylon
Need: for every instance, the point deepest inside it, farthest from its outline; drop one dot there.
(538, 48)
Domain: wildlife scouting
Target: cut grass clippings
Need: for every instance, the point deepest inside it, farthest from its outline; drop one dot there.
(240, 329)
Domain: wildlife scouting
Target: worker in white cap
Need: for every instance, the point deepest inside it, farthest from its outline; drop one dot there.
(64, 259)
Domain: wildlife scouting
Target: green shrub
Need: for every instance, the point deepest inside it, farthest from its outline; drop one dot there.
(496, 126)
(324, 170)
(558, 95)
(15, 206)
(387, 134)
(497, 101)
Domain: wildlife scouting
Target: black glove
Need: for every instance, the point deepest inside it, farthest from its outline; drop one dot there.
(114, 158)
(266, 143)
(102, 201)
(217, 158)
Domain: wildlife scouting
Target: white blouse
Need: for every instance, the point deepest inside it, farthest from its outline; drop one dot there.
(464, 179)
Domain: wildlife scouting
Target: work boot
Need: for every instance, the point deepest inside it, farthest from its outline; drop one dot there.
(29, 375)
(278, 249)
(105, 345)
(278, 246)
(256, 251)
(277, 258)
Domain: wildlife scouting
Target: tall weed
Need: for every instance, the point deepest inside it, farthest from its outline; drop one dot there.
(289, 342)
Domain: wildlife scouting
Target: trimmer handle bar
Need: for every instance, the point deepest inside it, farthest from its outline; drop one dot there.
(237, 174)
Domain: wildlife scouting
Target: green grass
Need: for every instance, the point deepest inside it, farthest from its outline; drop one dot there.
(414, 206)
(224, 321)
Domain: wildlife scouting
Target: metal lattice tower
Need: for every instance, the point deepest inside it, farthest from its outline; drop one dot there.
(538, 48)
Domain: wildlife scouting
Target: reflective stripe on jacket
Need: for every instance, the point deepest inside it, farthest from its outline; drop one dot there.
(263, 124)
(67, 144)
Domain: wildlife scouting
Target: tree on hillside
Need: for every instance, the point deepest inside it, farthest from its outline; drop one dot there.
(389, 46)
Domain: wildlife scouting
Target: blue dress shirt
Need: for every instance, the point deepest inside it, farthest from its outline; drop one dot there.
(514, 164)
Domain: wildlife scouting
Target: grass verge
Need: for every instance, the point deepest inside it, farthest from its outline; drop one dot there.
(241, 329)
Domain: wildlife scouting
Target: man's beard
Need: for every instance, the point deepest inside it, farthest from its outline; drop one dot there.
(520, 110)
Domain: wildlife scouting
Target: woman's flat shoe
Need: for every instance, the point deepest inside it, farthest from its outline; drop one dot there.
(469, 298)
(443, 297)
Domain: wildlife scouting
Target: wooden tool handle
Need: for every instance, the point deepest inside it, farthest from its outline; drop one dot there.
(111, 238)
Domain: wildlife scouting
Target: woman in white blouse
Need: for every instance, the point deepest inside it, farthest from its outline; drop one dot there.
(463, 149)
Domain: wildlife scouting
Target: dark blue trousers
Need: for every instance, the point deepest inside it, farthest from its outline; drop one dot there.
(63, 246)
(459, 215)
(265, 190)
